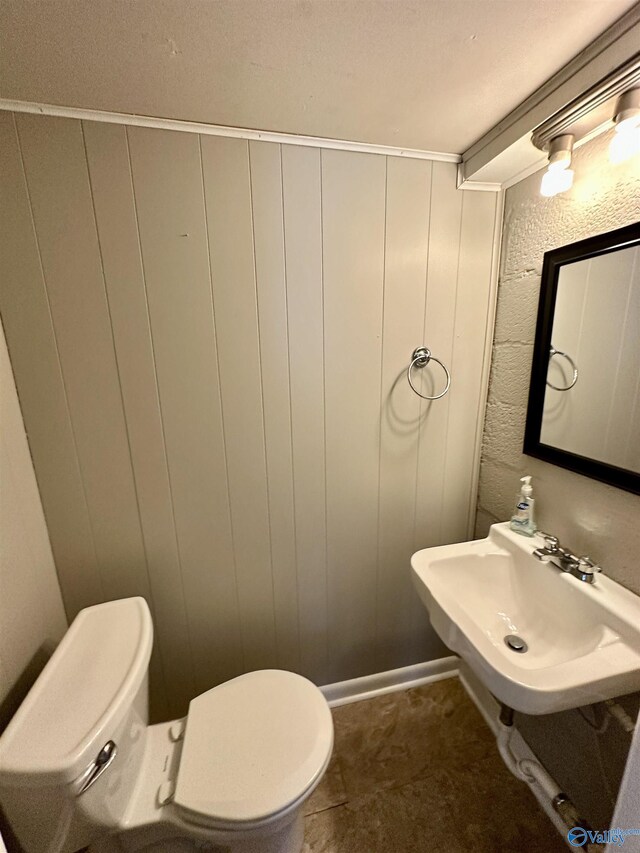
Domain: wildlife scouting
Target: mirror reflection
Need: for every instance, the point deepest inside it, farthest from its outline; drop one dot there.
(592, 393)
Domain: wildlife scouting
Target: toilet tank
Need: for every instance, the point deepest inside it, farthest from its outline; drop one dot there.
(92, 691)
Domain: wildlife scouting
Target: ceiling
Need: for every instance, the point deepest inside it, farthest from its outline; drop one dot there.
(427, 74)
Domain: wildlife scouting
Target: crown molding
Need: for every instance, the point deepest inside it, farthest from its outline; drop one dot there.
(134, 120)
(476, 186)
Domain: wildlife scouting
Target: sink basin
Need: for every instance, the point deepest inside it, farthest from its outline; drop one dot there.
(581, 641)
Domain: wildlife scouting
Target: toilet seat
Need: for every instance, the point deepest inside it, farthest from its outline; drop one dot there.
(253, 747)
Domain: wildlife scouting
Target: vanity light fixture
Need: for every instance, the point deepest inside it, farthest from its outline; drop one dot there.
(626, 141)
(559, 176)
(614, 100)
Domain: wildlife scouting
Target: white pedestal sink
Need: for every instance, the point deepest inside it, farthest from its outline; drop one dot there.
(582, 640)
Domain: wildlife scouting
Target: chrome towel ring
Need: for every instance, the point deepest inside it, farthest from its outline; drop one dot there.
(420, 357)
(553, 351)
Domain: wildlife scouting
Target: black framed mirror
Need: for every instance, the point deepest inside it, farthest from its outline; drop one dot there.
(584, 394)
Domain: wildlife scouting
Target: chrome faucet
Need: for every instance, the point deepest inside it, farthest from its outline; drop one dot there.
(582, 568)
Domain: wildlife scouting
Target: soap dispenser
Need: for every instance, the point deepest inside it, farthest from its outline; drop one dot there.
(522, 520)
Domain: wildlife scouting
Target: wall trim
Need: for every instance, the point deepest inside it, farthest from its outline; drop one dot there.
(486, 360)
(478, 186)
(134, 120)
(368, 686)
(481, 186)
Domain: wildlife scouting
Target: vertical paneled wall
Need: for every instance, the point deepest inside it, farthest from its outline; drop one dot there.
(209, 338)
(31, 612)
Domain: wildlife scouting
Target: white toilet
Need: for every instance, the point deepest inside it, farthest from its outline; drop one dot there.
(80, 766)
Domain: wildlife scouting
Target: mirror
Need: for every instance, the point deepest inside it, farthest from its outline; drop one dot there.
(584, 396)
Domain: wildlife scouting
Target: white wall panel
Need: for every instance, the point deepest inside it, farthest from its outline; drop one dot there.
(62, 207)
(112, 188)
(176, 266)
(405, 276)
(469, 335)
(268, 232)
(58, 184)
(439, 331)
(301, 181)
(229, 218)
(31, 339)
(240, 445)
(31, 611)
(353, 219)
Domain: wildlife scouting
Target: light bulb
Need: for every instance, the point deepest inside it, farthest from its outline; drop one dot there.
(558, 177)
(560, 162)
(629, 123)
(556, 181)
(626, 141)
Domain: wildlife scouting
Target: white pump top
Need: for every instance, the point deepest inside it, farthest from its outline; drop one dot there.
(527, 489)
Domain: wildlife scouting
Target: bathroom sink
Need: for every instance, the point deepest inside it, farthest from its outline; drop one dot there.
(570, 643)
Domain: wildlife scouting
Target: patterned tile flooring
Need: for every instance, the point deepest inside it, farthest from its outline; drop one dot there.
(419, 772)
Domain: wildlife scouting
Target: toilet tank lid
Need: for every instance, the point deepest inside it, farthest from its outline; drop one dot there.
(81, 695)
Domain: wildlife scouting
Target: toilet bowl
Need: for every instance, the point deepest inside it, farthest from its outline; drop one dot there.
(80, 766)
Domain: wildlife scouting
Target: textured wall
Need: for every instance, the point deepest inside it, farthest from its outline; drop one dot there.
(589, 517)
(210, 340)
(31, 614)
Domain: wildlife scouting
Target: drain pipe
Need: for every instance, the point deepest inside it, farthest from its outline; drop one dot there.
(525, 769)
(532, 772)
(619, 714)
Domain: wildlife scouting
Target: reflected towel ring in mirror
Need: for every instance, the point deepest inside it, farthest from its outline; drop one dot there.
(420, 357)
(553, 351)
(577, 280)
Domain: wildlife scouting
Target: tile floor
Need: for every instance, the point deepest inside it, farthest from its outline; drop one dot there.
(419, 771)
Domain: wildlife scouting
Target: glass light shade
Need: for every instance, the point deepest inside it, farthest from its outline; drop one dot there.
(562, 162)
(628, 123)
(626, 141)
(556, 181)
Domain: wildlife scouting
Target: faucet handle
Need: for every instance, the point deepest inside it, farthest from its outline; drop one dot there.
(551, 543)
(587, 566)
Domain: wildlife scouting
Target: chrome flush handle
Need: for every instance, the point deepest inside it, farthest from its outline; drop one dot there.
(97, 767)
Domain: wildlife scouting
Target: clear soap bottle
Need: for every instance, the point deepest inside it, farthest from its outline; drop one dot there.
(522, 520)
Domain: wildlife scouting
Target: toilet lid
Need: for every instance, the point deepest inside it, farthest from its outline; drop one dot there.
(252, 747)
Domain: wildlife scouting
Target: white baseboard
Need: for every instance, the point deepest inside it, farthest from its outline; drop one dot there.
(368, 686)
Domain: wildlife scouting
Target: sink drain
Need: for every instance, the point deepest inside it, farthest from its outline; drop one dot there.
(516, 643)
